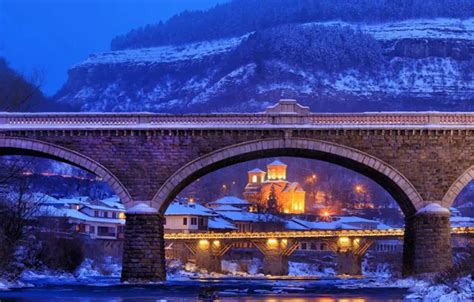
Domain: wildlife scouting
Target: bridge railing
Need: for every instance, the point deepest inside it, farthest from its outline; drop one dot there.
(373, 233)
(229, 120)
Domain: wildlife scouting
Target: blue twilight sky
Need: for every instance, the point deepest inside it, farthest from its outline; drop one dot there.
(51, 35)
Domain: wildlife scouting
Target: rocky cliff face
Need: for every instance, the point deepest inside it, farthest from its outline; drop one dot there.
(426, 65)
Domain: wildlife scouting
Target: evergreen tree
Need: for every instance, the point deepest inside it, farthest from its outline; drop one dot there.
(272, 202)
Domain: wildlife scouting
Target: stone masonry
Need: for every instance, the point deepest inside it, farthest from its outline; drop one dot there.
(144, 251)
(427, 243)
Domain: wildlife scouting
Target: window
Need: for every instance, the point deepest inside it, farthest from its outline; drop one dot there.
(96, 213)
(323, 247)
(91, 229)
(106, 214)
(114, 214)
(185, 221)
(254, 178)
(164, 220)
(193, 220)
(313, 246)
(201, 221)
(303, 245)
(106, 231)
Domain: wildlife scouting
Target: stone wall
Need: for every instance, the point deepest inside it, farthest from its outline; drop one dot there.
(427, 244)
(143, 160)
(144, 252)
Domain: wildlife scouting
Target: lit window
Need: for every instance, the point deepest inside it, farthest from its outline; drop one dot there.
(254, 178)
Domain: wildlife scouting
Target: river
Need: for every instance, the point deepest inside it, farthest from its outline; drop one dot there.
(268, 290)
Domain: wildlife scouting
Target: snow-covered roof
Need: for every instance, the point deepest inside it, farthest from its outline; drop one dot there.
(75, 214)
(349, 219)
(293, 225)
(462, 221)
(242, 216)
(181, 208)
(113, 202)
(276, 163)
(227, 208)
(323, 225)
(230, 200)
(219, 223)
(256, 170)
(101, 208)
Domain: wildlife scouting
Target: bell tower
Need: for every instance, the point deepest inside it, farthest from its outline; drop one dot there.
(276, 171)
(256, 176)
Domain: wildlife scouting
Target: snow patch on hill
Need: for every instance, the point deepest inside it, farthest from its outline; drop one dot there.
(165, 54)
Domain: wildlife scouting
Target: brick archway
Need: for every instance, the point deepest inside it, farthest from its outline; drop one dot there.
(387, 176)
(456, 188)
(15, 146)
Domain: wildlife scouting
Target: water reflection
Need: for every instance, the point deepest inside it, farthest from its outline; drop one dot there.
(223, 290)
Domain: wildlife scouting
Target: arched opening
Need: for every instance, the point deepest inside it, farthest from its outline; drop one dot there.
(62, 216)
(14, 146)
(371, 169)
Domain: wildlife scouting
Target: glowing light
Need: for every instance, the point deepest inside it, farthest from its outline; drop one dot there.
(203, 244)
(190, 199)
(216, 243)
(359, 188)
(254, 178)
(284, 243)
(121, 215)
(272, 242)
(326, 213)
(344, 241)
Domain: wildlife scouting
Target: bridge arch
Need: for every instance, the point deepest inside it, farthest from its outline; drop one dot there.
(20, 146)
(461, 182)
(387, 176)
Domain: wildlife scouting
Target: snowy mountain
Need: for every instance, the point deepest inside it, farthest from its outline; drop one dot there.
(421, 64)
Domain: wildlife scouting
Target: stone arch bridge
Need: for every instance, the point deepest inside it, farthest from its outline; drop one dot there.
(419, 158)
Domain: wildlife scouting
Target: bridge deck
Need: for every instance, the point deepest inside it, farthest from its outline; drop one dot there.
(302, 234)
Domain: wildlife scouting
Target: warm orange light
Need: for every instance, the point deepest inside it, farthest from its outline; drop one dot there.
(359, 188)
(121, 215)
(272, 242)
(203, 244)
(190, 199)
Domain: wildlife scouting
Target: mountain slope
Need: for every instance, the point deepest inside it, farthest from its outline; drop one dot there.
(330, 66)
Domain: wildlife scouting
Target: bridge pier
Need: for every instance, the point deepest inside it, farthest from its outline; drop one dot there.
(427, 241)
(209, 253)
(144, 246)
(275, 255)
(349, 253)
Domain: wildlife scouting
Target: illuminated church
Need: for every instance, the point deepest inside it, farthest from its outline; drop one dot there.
(290, 196)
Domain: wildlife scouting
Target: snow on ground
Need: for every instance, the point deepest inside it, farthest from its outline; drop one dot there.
(439, 28)
(302, 269)
(461, 290)
(165, 54)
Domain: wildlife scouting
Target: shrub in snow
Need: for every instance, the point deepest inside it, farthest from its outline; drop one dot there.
(62, 254)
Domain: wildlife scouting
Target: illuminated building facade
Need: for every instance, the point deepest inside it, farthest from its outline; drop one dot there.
(290, 195)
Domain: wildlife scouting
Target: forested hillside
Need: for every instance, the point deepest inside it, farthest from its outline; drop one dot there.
(242, 16)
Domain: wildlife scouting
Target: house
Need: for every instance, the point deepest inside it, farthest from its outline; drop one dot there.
(230, 201)
(183, 216)
(290, 196)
